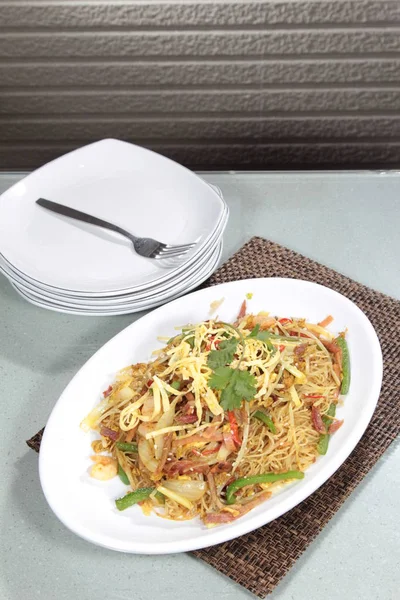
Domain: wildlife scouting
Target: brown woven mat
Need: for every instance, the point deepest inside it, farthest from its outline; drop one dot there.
(259, 560)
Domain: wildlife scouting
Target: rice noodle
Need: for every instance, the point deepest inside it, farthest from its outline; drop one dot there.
(149, 403)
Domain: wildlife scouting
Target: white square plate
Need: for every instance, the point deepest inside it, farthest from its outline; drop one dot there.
(135, 188)
(128, 307)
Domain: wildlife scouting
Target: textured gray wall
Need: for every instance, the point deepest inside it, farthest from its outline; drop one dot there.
(214, 84)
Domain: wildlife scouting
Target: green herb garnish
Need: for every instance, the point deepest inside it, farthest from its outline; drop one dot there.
(235, 384)
(264, 336)
(224, 355)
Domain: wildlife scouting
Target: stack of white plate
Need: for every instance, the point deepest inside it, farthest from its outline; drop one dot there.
(68, 266)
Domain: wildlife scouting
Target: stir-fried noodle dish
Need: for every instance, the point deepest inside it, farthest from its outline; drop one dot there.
(223, 416)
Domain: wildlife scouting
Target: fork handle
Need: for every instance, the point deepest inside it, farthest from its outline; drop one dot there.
(67, 211)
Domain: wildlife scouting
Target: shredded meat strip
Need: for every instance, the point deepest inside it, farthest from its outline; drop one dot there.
(238, 510)
(212, 436)
(335, 425)
(184, 419)
(317, 420)
(222, 467)
(180, 467)
(213, 492)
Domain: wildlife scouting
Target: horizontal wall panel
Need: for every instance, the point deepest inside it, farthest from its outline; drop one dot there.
(212, 101)
(236, 130)
(212, 83)
(239, 156)
(183, 74)
(197, 44)
(108, 15)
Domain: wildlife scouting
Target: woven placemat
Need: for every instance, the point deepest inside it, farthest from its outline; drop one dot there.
(259, 560)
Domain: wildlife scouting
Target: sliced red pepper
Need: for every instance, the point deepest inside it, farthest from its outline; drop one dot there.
(210, 342)
(281, 347)
(210, 451)
(313, 396)
(150, 383)
(297, 334)
(107, 392)
(285, 320)
(234, 428)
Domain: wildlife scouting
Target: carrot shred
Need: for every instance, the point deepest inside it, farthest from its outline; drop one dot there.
(242, 311)
(325, 322)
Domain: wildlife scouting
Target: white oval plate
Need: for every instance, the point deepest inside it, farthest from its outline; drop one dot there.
(140, 190)
(87, 507)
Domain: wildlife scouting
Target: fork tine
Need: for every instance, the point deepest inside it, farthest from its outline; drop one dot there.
(169, 253)
(175, 249)
(183, 246)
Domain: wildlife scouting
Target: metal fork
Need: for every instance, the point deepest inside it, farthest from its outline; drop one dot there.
(146, 247)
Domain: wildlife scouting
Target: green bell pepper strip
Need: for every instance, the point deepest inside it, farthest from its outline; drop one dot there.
(122, 475)
(322, 446)
(255, 479)
(261, 416)
(341, 342)
(133, 498)
(176, 385)
(126, 447)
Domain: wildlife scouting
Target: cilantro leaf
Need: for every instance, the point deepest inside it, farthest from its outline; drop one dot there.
(235, 385)
(241, 386)
(230, 345)
(264, 336)
(224, 355)
(244, 384)
(254, 332)
(220, 378)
